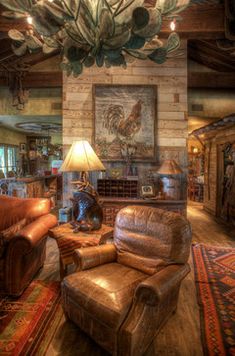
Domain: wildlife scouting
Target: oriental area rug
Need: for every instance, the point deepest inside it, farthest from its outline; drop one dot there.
(28, 324)
(215, 283)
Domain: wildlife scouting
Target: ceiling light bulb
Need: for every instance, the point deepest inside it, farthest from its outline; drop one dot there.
(173, 25)
(50, 0)
(29, 20)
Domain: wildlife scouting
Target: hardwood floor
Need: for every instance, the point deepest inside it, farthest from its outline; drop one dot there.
(181, 335)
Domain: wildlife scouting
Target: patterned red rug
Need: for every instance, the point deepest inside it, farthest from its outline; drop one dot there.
(215, 283)
(28, 324)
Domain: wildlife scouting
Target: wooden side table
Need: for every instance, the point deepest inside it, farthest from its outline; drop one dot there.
(68, 241)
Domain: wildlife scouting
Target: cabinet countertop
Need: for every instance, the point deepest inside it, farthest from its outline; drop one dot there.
(30, 179)
(141, 201)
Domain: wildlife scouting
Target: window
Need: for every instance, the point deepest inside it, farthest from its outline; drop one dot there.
(8, 158)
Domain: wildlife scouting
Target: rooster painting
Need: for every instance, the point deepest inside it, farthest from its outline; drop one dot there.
(116, 123)
(124, 121)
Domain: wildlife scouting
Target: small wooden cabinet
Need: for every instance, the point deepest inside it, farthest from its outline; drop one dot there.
(122, 188)
(111, 206)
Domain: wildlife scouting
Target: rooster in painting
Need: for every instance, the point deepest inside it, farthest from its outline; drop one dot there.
(116, 123)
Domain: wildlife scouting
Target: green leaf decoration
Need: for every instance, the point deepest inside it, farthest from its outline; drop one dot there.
(100, 59)
(69, 70)
(71, 7)
(117, 61)
(110, 32)
(153, 27)
(112, 53)
(167, 7)
(64, 65)
(135, 53)
(86, 26)
(106, 24)
(19, 50)
(45, 23)
(51, 42)
(180, 6)
(33, 42)
(118, 40)
(89, 61)
(55, 9)
(13, 15)
(18, 5)
(75, 54)
(107, 63)
(135, 42)
(16, 35)
(140, 17)
(173, 42)
(126, 9)
(77, 68)
(47, 49)
(159, 55)
(73, 34)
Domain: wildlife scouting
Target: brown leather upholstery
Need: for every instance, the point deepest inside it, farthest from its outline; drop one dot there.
(24, 224)
(124, 292)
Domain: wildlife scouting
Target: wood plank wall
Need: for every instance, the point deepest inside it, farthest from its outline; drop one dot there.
(171, 117)
(212, 188)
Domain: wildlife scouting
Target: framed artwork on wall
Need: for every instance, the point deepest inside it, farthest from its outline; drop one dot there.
(23, 148)
(124, 122)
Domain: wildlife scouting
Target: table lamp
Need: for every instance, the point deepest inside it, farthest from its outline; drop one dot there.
(171, 188)
(87, 211)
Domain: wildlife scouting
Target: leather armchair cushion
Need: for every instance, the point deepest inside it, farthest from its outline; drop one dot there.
(144, 264)
(106, 291)
(149, 239)
(7, 234)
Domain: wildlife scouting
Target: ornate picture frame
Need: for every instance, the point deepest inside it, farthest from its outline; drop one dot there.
(124, 122)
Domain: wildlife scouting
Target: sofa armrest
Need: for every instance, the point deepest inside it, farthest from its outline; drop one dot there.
(155, 288)
(33, 233)
(93, 256)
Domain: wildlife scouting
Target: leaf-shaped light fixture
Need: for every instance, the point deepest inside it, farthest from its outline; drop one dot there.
(105, 32)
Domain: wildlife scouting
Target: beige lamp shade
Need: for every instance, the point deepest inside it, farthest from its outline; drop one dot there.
(169, 166)
(81, 158)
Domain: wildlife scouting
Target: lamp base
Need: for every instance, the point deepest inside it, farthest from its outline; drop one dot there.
(87, 211)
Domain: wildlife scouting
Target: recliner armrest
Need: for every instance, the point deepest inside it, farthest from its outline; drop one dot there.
(155, 288)
(35, 231)
(93, 256)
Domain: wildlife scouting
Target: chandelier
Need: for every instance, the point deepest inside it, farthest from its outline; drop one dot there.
(102, 32)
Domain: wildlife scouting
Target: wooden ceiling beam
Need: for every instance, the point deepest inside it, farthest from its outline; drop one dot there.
(203, 21)
(211, 80)
(38, 80)
(210, 55)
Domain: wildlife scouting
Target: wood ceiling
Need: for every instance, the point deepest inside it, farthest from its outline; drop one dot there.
(203, 25)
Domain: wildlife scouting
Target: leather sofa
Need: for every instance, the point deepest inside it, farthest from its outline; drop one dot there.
(124, 292)
(24, 224)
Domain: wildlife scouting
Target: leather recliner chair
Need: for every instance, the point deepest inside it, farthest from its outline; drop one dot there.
(24, 224)
(124, 292)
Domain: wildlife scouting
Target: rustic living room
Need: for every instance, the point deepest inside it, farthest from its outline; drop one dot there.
(117, 177)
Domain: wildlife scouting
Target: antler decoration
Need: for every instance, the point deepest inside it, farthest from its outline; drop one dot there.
(105, 32)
